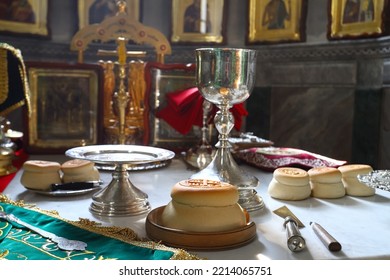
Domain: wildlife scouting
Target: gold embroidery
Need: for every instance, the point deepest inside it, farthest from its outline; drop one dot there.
(4, 254)
(3, 76)
(23, 74)
(123, 234)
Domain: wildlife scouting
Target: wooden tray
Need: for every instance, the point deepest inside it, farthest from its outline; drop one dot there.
(197, 240)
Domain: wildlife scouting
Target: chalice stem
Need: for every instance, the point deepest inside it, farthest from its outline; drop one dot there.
(224, 122)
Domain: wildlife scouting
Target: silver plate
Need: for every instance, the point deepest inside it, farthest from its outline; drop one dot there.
(134, 167)
(65, 192)
(121, 154)
(379, 179)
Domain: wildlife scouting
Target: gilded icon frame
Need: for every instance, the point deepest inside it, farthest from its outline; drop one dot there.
(65, 103)
(290, 28)
(162, 79)
(215, 35)
(38, 27)
(345, 23)
(85, 5)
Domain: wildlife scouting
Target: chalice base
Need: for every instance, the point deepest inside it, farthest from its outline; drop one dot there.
(119, 198)
(224, 168)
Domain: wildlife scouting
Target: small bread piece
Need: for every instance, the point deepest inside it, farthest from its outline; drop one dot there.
(288, 192)
(291, 176)
(326, 182)
(40, 174)
(79, 170)
(325, 175)
(353, 186)
(353, 170)
(327, 190)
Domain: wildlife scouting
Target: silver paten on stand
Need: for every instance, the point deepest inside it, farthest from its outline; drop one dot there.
(120, 197)
(226, 76)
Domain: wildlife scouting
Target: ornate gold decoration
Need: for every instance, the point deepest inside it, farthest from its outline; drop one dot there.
(121, 25)
(120, 100)
(4, 83)
(263, 19)
(123, 109)
(4, 254)
(4, 75)
(109, 88)
(137, 86)
(349, 22)
(123, 234)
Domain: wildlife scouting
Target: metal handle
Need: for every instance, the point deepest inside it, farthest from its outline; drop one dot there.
(63, 243)
(295, 241)
(328, 240)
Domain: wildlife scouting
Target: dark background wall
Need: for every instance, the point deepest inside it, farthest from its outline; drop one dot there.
(329, 97)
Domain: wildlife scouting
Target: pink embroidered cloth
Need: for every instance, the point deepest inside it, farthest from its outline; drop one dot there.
(271, 158)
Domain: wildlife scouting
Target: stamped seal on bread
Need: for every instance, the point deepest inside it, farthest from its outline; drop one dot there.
(290, 183)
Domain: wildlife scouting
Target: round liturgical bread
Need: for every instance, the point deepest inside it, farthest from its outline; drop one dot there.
(324, 175)
(203, 192)
(199, 205)
(327, 190)
(289, 183)
(326, 182)
(353, 186)
(291, 176)
(40, 174)
(288, 192)
(203, 218)
(79, 170)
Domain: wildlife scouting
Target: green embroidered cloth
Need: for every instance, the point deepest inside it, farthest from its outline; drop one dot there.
(19, 243)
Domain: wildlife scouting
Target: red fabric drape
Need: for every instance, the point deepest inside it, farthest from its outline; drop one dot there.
(185, 109)
(20, 158)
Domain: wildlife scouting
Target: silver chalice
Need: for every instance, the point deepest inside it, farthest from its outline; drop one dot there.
(226, 76)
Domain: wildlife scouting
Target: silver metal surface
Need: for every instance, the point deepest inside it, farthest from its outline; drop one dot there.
(70, 189)
(65, 192)
(120, 197)
(201, 154)
(62, 242)
(328, 240)
(135, 167)
(379, 179)
(120, 154)
(295, 241)
(226, 76)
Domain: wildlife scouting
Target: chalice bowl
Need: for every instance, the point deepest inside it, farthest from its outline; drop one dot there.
(224, 77)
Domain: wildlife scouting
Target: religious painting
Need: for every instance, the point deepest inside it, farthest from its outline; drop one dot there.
(198, 21)
(276, 21)
(162, 79)
(24, 17)
(356, 18)
(95, 11)
(65, 106)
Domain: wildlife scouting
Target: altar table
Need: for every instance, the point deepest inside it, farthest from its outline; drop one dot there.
(360, 224)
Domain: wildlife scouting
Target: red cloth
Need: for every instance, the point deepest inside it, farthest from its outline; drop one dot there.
(21, 157)
(185, 109)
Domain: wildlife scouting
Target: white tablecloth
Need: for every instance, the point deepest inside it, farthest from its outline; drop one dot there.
(361, 225)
